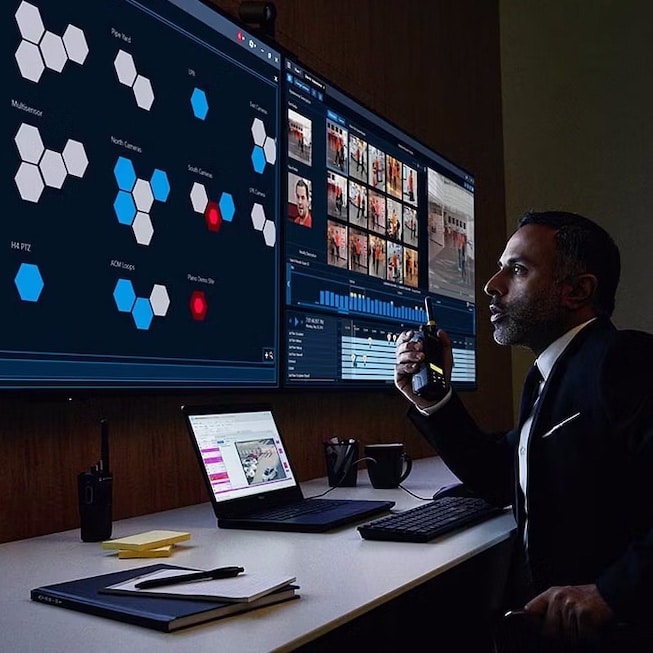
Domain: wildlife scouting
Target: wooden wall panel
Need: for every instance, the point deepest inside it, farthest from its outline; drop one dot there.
(432, 67)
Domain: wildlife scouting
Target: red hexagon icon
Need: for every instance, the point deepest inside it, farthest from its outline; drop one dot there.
(213, 216)
(198, 305)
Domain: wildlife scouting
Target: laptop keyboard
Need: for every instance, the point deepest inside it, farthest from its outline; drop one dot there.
(298, 509)
(430, 520)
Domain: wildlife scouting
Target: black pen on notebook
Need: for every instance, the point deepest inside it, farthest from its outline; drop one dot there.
(220, 572)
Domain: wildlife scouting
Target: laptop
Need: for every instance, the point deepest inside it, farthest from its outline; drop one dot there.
(250, 478)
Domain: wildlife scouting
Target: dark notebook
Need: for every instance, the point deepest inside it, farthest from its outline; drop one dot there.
(165, 614)
(250, 478)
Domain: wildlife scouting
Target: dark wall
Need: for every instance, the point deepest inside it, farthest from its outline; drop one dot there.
(432, 67)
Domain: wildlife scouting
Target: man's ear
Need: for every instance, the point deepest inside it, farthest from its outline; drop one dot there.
(579, 290)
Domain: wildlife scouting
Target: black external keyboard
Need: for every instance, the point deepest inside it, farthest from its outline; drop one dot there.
(430, 520)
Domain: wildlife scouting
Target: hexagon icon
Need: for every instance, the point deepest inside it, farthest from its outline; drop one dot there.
(199, 103)
(124, 295)
(75, 43)
(143, 196)
(124, 207)
(142, 228)
(29, 60)
(29, 182)
(198, 305)
(198, 197)
(258, 159)
(142, 313)
(227, 208)
(160, 185)
(143, 92)
(258, 216)
(258, 131)
(213, 217)
(30, 145)
(53, 169)
(125, 68)
(270, 233)
(29, 22)
(53, 51)
(124, 173)
(270, 149)
(74, 157)
(159, 300)
(29, 282)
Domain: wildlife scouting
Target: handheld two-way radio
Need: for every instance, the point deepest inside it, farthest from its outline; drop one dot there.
(429, 381)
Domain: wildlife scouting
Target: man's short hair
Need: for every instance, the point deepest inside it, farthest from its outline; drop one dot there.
(583, 246)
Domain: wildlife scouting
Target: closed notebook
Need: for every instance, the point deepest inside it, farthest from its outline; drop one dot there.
(243, 588)
(163, 614)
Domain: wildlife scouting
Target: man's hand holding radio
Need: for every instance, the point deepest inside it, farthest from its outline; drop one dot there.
(409, 360)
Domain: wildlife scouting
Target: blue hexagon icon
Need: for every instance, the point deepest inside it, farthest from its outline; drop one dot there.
(142, 313)
(125, 174)
(160, 185)
(199, 103)
(124, 207)
(124, 295)
(29, 282)
(227, 208)
(258, 159)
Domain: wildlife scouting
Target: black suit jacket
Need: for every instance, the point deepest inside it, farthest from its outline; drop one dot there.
(590, 467)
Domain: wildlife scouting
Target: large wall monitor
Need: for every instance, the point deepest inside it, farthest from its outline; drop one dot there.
(374, 223)
(139, 229)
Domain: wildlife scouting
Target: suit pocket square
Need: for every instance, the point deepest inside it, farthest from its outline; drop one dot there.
(559, 424)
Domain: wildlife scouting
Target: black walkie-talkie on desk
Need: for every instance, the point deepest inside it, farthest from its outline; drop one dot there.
(94, 489)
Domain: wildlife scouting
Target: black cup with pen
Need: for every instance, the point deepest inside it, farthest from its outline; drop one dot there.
(341, 456)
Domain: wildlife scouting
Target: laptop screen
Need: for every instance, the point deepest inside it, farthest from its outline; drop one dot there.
(242, 453)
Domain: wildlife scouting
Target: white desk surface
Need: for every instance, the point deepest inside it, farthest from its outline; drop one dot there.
(341, 576)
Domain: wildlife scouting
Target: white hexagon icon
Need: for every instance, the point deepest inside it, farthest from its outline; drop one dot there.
(29, 60)
(29, 182)
(29, 22)
(270, 149)
(53, 51)
(258, 132)
(143, 197)
(143, 229)
(75, 43)
(270, 233)
(30, 145)
(143, 92)
(74, 156)
(159, 300)
(258, 216)
(125, 68)
(198, 197)
(53, 169)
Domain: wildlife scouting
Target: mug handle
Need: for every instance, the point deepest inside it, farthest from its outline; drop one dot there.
(408, 461)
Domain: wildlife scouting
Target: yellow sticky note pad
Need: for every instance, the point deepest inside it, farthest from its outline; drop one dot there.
(146, 540)
(159, 552)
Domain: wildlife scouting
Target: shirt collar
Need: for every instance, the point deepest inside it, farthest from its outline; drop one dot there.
(546, 360)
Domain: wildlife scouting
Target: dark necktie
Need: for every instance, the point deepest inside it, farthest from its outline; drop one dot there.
(529, 393)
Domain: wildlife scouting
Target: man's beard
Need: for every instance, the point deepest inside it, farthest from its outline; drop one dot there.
(534, 323)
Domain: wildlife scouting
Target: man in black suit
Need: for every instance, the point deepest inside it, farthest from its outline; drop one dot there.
(578, 469)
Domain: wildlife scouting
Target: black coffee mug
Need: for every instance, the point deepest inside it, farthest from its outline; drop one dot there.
(387, 464)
